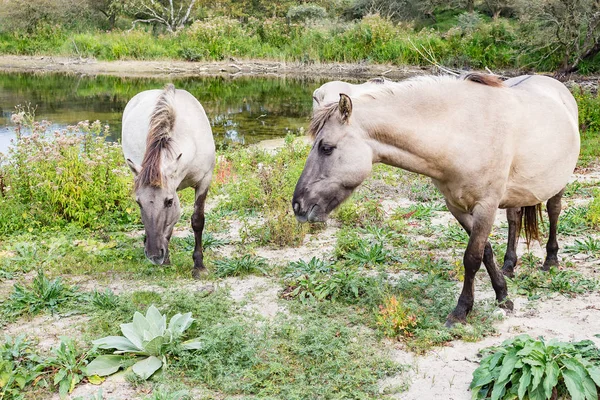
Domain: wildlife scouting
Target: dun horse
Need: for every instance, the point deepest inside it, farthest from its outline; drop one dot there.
(484, 143)
(168, 144)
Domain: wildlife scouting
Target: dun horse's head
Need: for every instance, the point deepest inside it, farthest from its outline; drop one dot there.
(338, 162)
(160, 209)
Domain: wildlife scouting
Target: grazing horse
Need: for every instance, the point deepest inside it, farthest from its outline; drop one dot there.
(330, 92)
(484, 143)
(168, 145)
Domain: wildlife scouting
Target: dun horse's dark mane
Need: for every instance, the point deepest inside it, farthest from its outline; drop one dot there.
(320, 117)
(162, 121)
(484, 79)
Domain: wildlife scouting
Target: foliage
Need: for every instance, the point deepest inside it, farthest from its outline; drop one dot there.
(106, 300)
(94, 186)
(20, 367)
(305, 12)
(148, 338)
(523, 367)
(533, 282)
(172, 14)
(67, 365)
(42, 294)
(240, 266)
(394, 319)
(321, 280)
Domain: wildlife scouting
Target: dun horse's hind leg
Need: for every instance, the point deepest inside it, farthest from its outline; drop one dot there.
(554, 207)
(198, 227)
(513, 215)
(478, 225)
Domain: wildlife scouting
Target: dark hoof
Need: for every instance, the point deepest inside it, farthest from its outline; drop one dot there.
(549, 264)
(508, 272)
(199, 273)
(452, 320)
(506, 304)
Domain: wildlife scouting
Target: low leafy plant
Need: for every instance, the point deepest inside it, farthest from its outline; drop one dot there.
(240, 266)
(67, 365)
(20, 367)
(589, 245)
(367, 254)
(533, 282)
(148, 339)
(43, 294)
(106, 300)
(526, 368)
(395, 319)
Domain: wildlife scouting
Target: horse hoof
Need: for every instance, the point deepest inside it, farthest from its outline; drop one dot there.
(199, 273)
(451, 321)
(508, 272)
(506, 304)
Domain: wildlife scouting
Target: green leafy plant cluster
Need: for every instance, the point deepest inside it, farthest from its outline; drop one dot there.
(533, 282)
(69, 176)
(148, 339)
(20, 367)
(323, 280)
(240, 266)
(42, 294)
(526, 368)
(394, 319)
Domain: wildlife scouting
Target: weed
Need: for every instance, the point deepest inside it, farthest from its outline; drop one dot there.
(20, 367)
(394, 319)
(359, 211)
(588, 245)
(533, 282)
(67, 366)
(573, 221)
(106, 300)
(240, 266)
(369, 255)
(43, 294)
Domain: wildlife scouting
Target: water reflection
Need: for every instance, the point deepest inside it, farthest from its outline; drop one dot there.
(242, 110)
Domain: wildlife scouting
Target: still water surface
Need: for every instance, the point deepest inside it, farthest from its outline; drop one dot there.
(243, 110)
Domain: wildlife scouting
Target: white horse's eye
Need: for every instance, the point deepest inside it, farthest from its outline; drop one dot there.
(327, 150)
(168, 203)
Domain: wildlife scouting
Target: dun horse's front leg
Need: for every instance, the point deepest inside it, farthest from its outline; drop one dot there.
(479, 225)
(198, 227)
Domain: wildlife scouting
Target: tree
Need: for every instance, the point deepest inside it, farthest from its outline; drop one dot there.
(172, 14)
(109, 8)
(497, 7)
(569, 29)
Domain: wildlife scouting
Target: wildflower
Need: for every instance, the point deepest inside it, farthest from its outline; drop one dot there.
(17, 118)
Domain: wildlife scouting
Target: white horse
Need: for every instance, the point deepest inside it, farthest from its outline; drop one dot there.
(484, 143)
(330, 92)
(168, 144)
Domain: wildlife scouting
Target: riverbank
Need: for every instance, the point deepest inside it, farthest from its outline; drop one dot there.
(230, 68)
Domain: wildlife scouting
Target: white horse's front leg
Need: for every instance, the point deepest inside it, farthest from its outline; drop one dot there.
(198, 227)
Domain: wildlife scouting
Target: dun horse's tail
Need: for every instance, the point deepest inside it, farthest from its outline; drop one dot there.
(161, 126)
(530, 222)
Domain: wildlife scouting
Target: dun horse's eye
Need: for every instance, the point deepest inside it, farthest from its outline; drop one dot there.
(138, 202)
(168, 203)
(327, 150)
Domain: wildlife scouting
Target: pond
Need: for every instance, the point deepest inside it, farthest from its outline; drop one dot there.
(243, 110)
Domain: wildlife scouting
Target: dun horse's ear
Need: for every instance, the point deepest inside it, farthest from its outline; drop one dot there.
(345, 107)
(136, 169)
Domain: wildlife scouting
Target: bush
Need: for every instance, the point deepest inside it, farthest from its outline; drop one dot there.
(305, 12)
(70, 176)
(526, 367)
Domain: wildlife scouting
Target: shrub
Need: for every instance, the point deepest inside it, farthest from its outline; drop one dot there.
(19, 367)
(394, 319)
(537, 370)
(305, 12)
(70, 176)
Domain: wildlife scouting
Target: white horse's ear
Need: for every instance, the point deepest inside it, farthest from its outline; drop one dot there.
(178, 157)
(345, 107)
(136, 169)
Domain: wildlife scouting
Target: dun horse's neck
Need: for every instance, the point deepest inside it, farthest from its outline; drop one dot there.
(401, 138)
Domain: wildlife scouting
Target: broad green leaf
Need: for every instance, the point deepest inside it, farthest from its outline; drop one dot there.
(499, 389)
(60, 376)
(95, 379)
(116, 342)
(196, 344)
(157, 321)
(130, 333)
(589, 389)
(146, 367)
(524, 381)
(494, 360)
(551, 379)
(104, 365)
(507, 366)
(594, 373)
(537, 372)
(140, 324)
(574, 385)
(537, 393)
(154, 347)
(179, 323)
